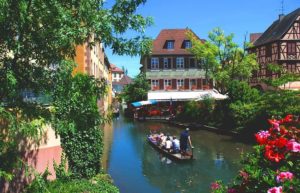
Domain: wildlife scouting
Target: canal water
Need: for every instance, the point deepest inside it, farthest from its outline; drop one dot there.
(138, 168)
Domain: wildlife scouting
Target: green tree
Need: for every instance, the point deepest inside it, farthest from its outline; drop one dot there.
(283, 76)
(223, 60)
(137, 90)
(77, 121)
(37, 37)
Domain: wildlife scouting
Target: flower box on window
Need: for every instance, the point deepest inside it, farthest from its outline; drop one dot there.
(168, 88)
(155, 88)
(194, 87)
(205, 87)
(181, 88)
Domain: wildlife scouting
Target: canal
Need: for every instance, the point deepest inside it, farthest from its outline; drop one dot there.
(138, 168)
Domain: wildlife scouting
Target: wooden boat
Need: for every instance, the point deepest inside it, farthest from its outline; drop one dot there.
(175, 156)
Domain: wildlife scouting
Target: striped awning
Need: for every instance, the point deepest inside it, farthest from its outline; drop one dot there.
(142, 103)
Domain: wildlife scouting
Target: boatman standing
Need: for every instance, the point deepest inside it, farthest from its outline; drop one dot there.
(184, 140)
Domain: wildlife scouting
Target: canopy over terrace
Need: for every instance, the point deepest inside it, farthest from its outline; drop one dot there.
(142, 103)
(185, 95)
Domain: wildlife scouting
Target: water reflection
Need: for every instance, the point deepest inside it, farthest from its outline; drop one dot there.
(136, 167)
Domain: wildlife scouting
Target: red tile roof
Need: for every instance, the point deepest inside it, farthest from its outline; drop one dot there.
(114, 68)
(124, 80)
(254, 37)
(179, 35)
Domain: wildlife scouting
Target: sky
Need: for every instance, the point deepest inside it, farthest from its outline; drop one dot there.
(240, 17)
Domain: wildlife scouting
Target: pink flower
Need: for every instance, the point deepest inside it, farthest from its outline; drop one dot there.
(284, 176)
(215, 186)
(262, 136)
(293, 146)
(231, 190)
(275, 190)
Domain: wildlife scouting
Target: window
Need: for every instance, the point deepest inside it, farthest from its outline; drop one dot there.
(291, 50)
(193, 84)
(180, 63)
(166, 63)
(188, 44)
(170, 44)
(154, 63)
(269, 50)
(180, 83)
(168, 84)
(154, 84)
(115, 75)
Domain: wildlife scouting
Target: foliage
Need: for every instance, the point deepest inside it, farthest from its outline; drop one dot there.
(17, 126)
(82, 185)
(274, 165)
(284, 76)
(137, 90)
(222, 59)
(243, 107)
(36, 38)
(63, 184)
(241, 91)
(280, 103)
(77, 121)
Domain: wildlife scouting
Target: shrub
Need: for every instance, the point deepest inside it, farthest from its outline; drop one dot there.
(274, 166)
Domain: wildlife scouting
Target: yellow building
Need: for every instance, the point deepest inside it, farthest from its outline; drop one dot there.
(93, 61)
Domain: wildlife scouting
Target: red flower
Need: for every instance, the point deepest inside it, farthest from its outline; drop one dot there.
(271, 155)
(281, 142)
(262, 137)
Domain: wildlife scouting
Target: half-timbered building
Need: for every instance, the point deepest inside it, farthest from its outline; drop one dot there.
(279, 44)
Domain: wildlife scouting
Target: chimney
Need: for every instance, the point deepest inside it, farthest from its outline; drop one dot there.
(281, 16)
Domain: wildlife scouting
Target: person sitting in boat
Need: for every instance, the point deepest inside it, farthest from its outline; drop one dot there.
(184, 140)
(175, 145)
(168, 144)
(162, 140)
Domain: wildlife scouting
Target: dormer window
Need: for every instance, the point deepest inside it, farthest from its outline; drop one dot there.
(170, 44)
(188, 44)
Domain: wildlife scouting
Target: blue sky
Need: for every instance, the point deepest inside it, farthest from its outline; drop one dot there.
(233, 16)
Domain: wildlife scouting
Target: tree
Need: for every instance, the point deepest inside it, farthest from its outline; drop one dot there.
(137, 90)
(283, 76)
(37, 39)
(222, 59)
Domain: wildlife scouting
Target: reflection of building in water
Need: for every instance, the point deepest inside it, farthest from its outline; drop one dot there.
(219, 160)
(107, 141)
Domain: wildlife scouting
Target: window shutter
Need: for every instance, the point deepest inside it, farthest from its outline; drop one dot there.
(210, 83)
(199, 83)
(169, 63)
(192, 62)
(186, 63)
(161, 84)
(174, 63)
(186, 84)
(149, 63)
(174, 84)
(161, 63)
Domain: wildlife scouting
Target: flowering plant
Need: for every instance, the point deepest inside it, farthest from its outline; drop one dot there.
(274, 166)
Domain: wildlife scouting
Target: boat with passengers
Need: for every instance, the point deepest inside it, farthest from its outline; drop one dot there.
(153, 139)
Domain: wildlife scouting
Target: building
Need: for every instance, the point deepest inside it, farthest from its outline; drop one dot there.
(172, 70)
(117, 73)
(92, 60)
(119, 86)
(279, 44)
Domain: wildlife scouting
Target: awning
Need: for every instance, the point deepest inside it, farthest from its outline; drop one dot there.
(184, 95)
(175, 74)
(142, 103)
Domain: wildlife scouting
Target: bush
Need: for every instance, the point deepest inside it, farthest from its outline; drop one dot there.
(274, 166)
(77, 120)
